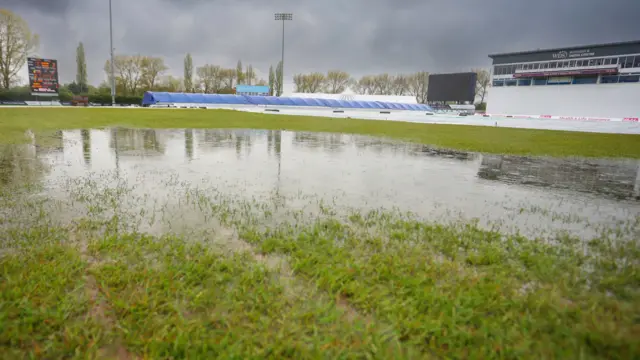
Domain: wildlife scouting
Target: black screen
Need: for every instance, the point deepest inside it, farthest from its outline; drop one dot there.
(43, 76)
(452, 87)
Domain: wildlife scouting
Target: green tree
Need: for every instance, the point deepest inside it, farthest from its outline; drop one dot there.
(239, 73)
(249, 75)
(82, 81)
(272, 81)
(169, 84)
(129, 73)
(16, 43)
(188, 73)
(152, 68)
(483, 82)
(279, 79)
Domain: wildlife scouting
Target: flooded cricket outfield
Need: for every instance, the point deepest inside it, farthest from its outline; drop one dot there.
(138, 243)
(311, 171)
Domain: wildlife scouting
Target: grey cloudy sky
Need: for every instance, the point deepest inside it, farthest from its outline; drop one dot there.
(359, 36)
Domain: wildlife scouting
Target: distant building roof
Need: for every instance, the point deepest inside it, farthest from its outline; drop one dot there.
(623, 43)
(572, 52)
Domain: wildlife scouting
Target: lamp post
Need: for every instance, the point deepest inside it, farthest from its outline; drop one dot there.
(282, 17)
(113, 78)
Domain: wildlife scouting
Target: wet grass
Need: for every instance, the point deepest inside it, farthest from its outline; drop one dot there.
(14, 122)
(347, 284)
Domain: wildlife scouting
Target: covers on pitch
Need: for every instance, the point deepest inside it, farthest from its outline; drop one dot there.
(151, 98)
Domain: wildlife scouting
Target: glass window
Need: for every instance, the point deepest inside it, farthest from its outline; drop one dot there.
(614, 61)
(572, 63)
(545, 66)
(609, 79)
(511, 82)
(519, 67)
(540, 81)
(536, 66)
(498, 83)
(598, 62)
(626, 61)
(630, 78)
(553, 65)
(636, 62)
(524, 82)
(512, 69)
(586, 79)
(606, 62)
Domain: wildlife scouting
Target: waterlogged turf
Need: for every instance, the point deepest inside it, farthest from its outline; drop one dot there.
(497, 140)
(165, 249)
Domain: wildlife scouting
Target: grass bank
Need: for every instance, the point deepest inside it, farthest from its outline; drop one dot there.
(14, 121)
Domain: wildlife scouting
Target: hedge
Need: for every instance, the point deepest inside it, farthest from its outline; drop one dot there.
(66, 97)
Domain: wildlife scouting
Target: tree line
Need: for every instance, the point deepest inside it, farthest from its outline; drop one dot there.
(135, 74)
(337, 81)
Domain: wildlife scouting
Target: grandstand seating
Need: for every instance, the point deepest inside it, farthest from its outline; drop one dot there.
(153, 98)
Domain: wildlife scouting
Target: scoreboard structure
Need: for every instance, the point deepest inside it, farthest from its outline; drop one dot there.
(43, 76)
(457, 87)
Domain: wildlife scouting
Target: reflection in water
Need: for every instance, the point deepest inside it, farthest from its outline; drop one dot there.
(324, 141)
(357, 171)
(619, 179)
(132, 142)
(188, 143)
(22, 163)
(86, 146)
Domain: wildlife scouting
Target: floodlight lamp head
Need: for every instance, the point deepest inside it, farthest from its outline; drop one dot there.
(284, 16)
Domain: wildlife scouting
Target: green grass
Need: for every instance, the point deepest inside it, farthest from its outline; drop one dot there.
(14, 121)
(377, 285)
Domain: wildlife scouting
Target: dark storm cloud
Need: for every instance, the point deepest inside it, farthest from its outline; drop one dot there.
(360, 36)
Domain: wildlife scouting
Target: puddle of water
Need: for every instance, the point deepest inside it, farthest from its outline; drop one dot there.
(532, 196)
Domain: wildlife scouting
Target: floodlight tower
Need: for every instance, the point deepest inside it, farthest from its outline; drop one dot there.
(113, 78)
(282, 17)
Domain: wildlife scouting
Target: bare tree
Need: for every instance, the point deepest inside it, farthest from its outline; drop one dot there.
(299, 83)
(309, 83)
(209, 78)
(365, 85)
(337, 81)
(152, 68)
(129, 72)
(418, 86)
(483, 83)
(16, 43)
(383, 84)
(228, 76)
(400, 85)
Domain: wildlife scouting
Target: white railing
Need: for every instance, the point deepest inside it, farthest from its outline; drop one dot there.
(568, 68)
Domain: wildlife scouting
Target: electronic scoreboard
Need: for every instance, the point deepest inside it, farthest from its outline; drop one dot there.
(43, 76)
